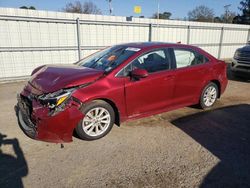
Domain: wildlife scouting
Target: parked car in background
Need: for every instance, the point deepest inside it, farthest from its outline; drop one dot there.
(241, 61)
(119, 83)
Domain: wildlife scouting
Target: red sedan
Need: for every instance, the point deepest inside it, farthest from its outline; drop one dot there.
(118, 83)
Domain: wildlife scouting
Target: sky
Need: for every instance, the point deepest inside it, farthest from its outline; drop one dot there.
(178, 8)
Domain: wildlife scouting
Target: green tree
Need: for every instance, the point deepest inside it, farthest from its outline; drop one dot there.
(244, 18)
(82, 8)
(25, 7)
(218, 19)
(164, 15)
(245, 7)
(201, 13)
(32, 8)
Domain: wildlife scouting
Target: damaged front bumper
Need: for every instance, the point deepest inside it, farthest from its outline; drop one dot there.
(39, 123)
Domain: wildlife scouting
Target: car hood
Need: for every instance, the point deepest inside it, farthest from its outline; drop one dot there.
(51, 78)
(245, 49)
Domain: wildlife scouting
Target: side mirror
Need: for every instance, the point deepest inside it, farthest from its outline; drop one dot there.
(139, 73)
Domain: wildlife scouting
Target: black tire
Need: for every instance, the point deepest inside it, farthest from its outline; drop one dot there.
(202, 103)
(92, 105)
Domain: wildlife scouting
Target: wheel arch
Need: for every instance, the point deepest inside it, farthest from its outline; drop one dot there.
(217, 82)
(113, 105)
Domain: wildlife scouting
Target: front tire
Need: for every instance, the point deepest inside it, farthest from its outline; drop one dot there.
(98, 120)
(209, 96)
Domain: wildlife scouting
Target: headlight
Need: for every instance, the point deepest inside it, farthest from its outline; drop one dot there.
(236, 54)
(55, 99)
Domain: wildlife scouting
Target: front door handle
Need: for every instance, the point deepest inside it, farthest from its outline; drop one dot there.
(168, 77)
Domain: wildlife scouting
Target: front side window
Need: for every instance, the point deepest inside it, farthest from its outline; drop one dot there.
(153, 61)
(109, 58)
(185, 58)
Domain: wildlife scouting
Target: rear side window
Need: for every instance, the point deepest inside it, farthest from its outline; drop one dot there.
(185, 58)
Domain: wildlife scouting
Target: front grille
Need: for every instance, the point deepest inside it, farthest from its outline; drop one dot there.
(25, 106)
(243, 67)
(243, 56)
(244, 62)
(28, 103)
(28, 121)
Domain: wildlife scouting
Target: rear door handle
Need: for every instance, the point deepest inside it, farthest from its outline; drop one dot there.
(203, 71)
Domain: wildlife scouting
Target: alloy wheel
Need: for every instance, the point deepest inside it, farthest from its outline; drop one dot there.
(210, 96)
(96, 121)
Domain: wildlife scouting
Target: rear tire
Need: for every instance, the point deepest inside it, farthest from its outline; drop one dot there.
(98, 120)
(209, 96)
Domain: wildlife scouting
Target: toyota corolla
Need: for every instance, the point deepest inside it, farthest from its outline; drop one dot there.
(119, 83)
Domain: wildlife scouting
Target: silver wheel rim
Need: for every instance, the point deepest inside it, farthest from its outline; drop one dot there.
(96, 121)
(210, 96)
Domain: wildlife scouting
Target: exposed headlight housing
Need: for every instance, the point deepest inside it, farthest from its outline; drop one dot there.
(55, 99)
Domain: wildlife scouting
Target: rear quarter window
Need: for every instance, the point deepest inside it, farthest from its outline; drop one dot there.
(188, 57)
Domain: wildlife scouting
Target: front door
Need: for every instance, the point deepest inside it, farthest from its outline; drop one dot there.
(154, 92)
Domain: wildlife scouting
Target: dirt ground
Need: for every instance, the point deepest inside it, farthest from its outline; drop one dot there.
(182, 148)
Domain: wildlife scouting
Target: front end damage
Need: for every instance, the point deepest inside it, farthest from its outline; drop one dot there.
(47, 117)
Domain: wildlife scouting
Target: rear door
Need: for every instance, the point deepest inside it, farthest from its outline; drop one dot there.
(191, 72)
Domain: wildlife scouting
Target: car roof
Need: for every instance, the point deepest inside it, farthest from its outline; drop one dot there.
(143, 45)
(152, 45)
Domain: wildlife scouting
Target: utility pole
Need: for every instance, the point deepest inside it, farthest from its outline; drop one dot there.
(158, 17)
(110, 7)
(226, 7)
(158, 9)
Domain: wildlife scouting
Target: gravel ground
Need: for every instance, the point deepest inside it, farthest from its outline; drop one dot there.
(182, 148)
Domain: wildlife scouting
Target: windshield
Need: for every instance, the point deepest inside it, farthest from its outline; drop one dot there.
(109, 58)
